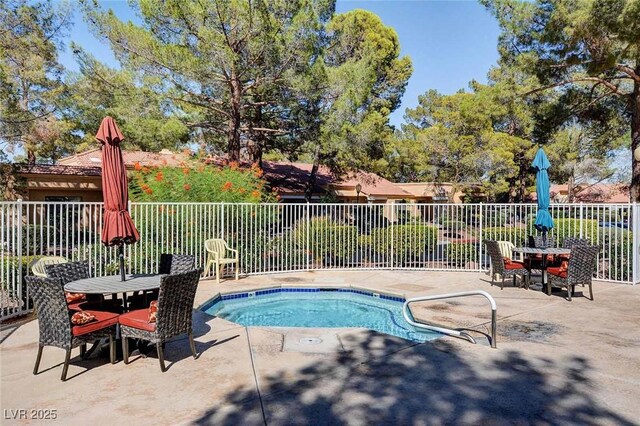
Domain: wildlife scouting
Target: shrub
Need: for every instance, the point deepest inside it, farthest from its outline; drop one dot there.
(618, 244)
(326, 238)
(35, 237)
(564, 228)
(461, 253)
(199, 183)
(404, 240)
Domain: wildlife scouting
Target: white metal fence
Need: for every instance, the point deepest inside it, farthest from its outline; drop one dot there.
(298, 237)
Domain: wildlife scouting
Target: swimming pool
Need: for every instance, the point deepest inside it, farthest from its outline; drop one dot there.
(318, 308)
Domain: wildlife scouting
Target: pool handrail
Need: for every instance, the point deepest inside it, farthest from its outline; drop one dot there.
(448, 331)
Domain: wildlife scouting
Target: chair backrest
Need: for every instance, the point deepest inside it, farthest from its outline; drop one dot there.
(569, 242)
(70, 271)
(543, 242)
(176, 263)
(216, 245)
(582, 264)
(53, 315)
(175, 303)
(506, 248)
(497, 260)
(37, 266)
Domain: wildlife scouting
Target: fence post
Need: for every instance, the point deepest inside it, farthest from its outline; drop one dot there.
(481, 237)
(19, 245)
(635, 229)
(393, 252)
(308, 236)
(581, 220)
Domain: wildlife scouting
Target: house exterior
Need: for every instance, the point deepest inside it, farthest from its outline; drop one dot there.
(598, 193)
(78, 178)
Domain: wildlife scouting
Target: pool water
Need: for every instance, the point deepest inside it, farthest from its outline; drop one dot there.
(318, 308)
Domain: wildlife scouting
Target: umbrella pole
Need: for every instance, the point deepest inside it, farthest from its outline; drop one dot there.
(121, 256)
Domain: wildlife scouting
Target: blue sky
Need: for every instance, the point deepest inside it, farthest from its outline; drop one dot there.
(449, 42)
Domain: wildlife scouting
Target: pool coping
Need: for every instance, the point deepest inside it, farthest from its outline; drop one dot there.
(261, 291)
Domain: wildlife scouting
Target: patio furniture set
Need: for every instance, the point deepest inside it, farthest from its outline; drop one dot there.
(565, 267)
(73, 309)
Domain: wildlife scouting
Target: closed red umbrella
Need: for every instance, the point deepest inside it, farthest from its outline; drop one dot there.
(118, 228)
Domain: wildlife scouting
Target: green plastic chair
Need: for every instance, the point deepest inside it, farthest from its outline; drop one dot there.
(37, 266)
(217, 251)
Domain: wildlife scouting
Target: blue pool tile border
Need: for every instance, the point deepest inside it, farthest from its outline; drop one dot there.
(243, 295)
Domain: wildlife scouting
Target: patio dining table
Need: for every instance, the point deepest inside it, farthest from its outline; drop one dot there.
(112, 284)
(543, 252)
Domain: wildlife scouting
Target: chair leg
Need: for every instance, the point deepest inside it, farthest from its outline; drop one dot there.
(38, 358)
(125, 350)
(514, 280)
(207, 268)
(548, 288)
(219, 272)
(161, 356)
(502, 283)
(237, 271)
(591, 291)
(569, 288)
(65, 368)
(192, 344)
(112, 350)
(83, 350)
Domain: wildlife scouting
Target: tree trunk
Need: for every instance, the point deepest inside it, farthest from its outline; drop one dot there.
(233, 129)
(571, 187)
(635, 144)
(311, 183)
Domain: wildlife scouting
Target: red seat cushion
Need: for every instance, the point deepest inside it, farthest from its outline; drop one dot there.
(137, 319)
(75, 297)
(76, 306)
(514, 265)
(103, 320)
(558, 271)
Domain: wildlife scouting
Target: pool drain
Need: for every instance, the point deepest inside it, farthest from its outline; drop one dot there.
(310, 341)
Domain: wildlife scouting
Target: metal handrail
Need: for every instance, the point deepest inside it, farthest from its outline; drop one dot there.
(448, 331)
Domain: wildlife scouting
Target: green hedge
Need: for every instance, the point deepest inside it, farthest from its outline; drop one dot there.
(461, 253)
(326, 238)
(405, 240)
(620, 243)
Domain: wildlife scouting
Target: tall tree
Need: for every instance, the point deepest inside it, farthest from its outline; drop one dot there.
(31, 77)
(589, 51)
(363, 81)
(150, 122)
(230, 66)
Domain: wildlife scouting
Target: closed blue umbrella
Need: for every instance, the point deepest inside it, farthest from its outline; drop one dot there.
(544, 222)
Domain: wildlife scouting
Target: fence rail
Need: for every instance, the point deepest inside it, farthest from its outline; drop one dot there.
(301, 237)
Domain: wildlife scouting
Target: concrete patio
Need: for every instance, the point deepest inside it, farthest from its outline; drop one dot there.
(557, 362)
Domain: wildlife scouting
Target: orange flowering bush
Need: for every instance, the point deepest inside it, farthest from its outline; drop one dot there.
(198, 182)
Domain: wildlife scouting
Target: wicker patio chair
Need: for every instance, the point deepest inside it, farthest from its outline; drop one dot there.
(170, 264)
(54, 322)
(543, 242)
(176, 263)
(217, 250)
(580, 270)
(504, 268)
(568, 243)
(174, 315)
(72, 271)
(37, 266)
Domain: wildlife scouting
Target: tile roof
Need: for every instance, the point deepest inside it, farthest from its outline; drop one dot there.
(151, 159)
(598, 193)
(59, 169)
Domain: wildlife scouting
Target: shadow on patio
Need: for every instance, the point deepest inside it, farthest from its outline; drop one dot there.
(420, 384)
